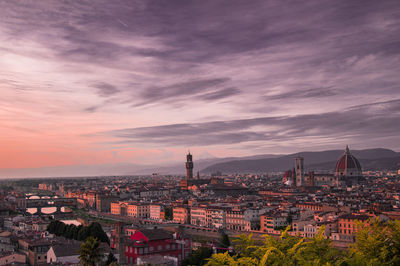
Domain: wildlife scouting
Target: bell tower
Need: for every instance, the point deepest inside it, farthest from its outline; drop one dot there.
(189, 166)
(299, 168)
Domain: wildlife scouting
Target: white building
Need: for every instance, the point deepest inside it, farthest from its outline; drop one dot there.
(64, 254)
(216, 218)
(198, 216)
(155, 211)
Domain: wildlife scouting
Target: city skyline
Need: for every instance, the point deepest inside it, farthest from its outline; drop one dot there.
(99, 82)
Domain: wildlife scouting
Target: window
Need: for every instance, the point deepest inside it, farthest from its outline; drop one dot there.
(159, 247)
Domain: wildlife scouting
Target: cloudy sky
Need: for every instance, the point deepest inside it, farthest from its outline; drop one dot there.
(99, 81)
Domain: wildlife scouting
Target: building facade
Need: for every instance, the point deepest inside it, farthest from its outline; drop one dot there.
(181, 215)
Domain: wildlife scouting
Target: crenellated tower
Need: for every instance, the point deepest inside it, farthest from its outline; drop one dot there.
(189, 167)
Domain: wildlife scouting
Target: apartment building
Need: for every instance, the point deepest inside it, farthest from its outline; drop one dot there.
(156, 211)
(119, 208)
(235, 220)
(103, 202)
(139, 210)
(181, 215)
(198, 216)
(216, 218)
(348, 223)
(273, 220)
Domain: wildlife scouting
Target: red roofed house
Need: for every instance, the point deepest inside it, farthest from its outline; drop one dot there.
(145, 243)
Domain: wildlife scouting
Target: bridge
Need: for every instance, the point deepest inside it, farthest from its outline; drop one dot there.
(37, 196)
(58, 203)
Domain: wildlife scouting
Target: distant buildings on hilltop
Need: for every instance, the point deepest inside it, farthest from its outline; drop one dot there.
(347, 173)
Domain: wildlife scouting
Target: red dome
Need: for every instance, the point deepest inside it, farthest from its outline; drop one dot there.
(348, 165)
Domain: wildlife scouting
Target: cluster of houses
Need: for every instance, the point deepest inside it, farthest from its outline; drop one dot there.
(25, 241)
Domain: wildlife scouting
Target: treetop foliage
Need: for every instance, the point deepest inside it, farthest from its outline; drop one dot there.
(90, 253)
(377, 243)
(80, 232)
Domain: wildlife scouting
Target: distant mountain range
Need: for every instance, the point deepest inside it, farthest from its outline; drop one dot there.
(371, 159)
(179, 168)
(117, 169)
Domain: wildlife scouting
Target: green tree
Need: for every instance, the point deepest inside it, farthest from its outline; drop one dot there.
(70, 231)
(97, 231)
(244, 245)
(280, 251)
(169, 214)
(83, 233)
(198, 257)
(318, 251)
(90, 253)
(377, 243)
(76, 233)
(111, 258)
(51, 227)
(221, 259)
(225, 242)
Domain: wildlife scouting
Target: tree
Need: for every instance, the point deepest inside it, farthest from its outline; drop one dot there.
(280, 251)
(70, 231)
(225, 242)
(221, 259)
(111, 258)
(83, 233)
(244, 244)
(78, 232)
(318, 251)
(97, 231)
(90, 252)
(377, 243)
(198, 257)
(169, 215)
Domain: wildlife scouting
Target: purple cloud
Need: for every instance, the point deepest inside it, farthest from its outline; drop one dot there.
(205, 72)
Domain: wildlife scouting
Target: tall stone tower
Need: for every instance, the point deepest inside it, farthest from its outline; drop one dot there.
(189, 167)
(299, 168)
(120, 237)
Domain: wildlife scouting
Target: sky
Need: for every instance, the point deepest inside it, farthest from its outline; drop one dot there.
(95, 82)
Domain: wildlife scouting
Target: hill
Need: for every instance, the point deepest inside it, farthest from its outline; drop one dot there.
(377, 159)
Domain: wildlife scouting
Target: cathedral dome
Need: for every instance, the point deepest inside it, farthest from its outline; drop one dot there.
(348, 165)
